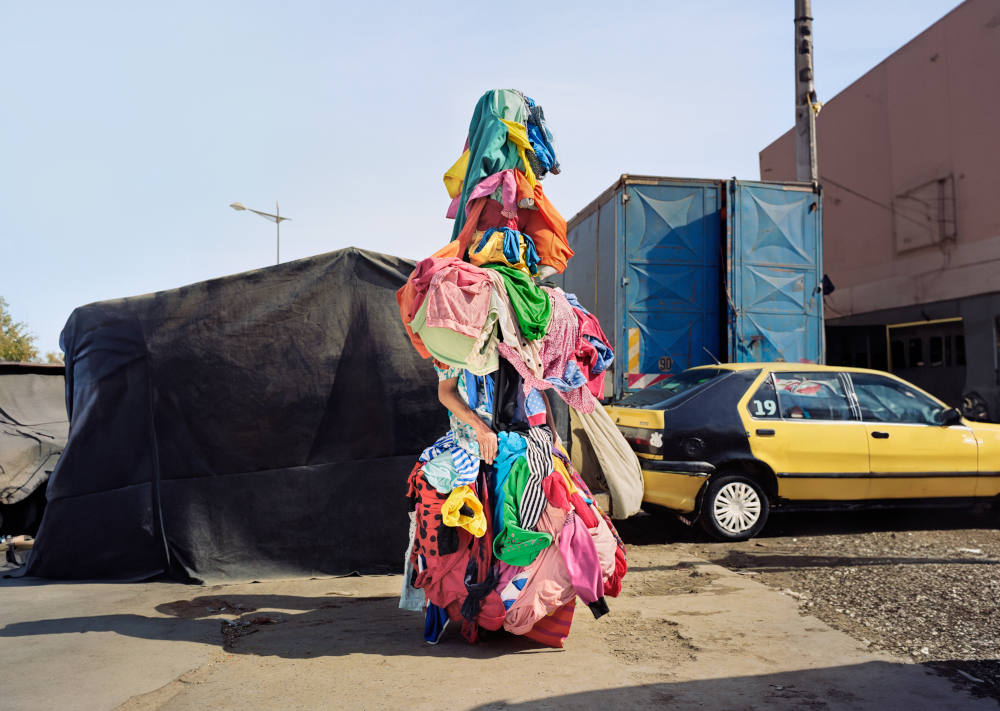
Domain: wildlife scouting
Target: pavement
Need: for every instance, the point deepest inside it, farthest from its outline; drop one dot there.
(685, 633)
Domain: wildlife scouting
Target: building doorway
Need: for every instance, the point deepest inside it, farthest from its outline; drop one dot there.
(931, 355)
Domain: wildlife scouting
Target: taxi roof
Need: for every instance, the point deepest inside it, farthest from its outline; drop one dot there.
(789, 365)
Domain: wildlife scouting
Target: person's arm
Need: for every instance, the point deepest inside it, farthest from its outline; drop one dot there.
(487, 438)
(550, 420)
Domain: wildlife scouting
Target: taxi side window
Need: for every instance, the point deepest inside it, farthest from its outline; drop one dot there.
(812, 396)
(764, 403)
(886, 400)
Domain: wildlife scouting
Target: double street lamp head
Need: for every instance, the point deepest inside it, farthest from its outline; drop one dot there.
(276, 218)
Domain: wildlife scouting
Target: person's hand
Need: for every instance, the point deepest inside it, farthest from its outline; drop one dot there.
(487, 439)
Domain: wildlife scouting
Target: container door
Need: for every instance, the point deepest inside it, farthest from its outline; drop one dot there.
(671, 279)
(775, 273)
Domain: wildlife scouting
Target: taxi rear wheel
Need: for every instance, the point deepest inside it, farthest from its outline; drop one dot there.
(734, 508)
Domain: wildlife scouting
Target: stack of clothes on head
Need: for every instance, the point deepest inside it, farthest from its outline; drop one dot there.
(512, 544)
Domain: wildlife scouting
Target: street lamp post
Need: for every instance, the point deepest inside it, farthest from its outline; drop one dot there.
(276, 218)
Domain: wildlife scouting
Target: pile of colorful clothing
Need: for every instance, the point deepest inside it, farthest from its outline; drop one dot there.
(512, 543)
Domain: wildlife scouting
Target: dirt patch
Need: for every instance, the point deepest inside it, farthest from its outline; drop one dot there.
(233, 630)
(203, 607)
(654, 642)
(649, 575)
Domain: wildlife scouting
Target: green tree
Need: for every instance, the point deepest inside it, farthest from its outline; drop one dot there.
(16, 342)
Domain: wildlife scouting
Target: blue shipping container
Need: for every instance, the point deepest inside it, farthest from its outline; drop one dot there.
(682, 271)
(775, 272)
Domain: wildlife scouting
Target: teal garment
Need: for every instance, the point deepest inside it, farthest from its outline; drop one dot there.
(531, 305)
(515, 545)
(489, 150)
(510, 447)
(440, 472)
(458, 350)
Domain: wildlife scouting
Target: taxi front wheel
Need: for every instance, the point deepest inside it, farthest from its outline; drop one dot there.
(734, 508)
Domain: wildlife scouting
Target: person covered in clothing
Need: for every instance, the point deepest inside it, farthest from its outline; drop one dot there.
(471, 426)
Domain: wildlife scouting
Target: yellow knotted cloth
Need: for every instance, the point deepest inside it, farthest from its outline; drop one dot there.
(456, 511)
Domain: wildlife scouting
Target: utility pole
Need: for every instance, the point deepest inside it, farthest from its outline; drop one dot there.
(277, 224)
(806, 104)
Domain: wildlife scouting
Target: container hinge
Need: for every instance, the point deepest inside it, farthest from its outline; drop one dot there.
(624, 281)
(625, 197)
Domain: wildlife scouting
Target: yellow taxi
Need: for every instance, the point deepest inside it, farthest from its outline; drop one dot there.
(724, 444)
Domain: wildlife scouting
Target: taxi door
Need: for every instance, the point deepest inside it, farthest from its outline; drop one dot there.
(988, 439)
(911, 456)
(803, 425)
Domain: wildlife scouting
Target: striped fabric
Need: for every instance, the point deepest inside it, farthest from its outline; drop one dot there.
(466, 465)
(540, 465)
(553, 629)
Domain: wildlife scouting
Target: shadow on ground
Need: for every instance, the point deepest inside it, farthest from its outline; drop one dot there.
(873, 685)
(658, 526)
(776, 563)
(285, 626)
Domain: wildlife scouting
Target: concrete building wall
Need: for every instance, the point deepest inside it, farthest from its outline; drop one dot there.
(893, 235)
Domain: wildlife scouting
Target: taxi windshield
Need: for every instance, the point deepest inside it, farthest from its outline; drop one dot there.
(671, 387)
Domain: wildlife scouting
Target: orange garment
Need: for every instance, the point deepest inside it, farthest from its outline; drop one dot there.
(545, 226)
(404, 298)
(553, 629)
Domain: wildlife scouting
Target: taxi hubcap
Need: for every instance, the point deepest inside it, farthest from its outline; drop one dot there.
(737, 507)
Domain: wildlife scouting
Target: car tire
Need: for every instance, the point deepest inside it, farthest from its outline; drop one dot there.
(734, 507)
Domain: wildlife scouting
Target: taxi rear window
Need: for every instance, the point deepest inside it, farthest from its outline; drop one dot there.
(671, 389)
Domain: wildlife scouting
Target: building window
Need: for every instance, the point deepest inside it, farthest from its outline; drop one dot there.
(898, 354)
(936, 355)
(915, 353)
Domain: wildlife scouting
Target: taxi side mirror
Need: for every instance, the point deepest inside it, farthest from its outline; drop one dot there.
(949, 416)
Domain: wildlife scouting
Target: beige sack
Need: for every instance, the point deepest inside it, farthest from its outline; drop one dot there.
(605, 460)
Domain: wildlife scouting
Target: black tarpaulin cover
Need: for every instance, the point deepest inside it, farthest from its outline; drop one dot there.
(257, 425)
(33, 427)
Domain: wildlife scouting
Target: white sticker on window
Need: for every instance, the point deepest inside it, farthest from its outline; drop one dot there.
(764, 408)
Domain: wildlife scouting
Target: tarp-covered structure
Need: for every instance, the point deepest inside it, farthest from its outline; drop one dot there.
(33, 428)
(256, 425)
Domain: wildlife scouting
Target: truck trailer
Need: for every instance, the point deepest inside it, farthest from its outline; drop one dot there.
(684, 272)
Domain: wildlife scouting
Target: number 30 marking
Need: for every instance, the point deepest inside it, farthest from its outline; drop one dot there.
(764, 408)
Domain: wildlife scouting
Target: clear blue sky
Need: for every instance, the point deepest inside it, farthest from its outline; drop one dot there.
(127, 128)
